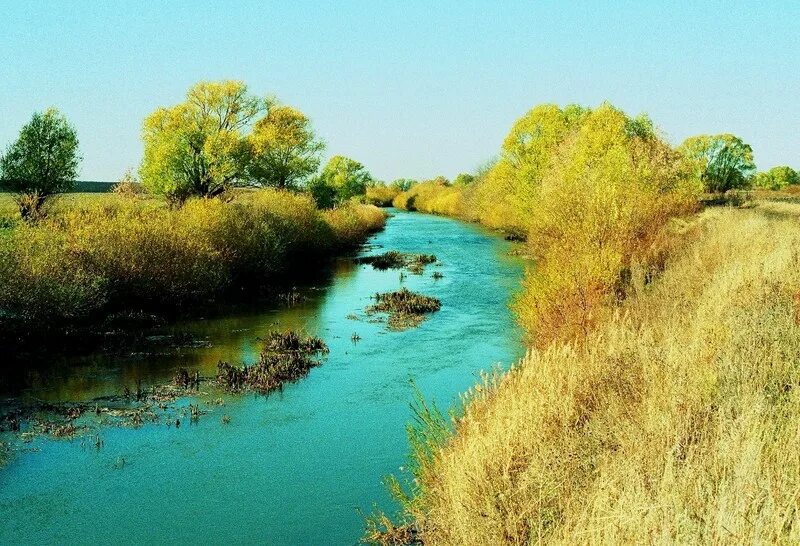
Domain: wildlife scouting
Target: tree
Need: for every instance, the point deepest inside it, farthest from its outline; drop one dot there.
(776, 178)
(403, 184)
(198, 146)
(463, 180)
(721, 162)
(43, 161)
(284, 150)
(341, 179)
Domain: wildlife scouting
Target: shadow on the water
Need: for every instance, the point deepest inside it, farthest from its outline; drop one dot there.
(151, 341)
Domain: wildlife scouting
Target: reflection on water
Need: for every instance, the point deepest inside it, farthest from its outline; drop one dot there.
(290, 468)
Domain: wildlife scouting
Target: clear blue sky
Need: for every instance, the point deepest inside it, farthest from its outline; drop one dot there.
(410, 89)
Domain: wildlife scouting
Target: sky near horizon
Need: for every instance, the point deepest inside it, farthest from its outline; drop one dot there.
(411, 89)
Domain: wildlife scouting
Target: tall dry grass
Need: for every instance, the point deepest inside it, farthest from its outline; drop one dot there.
(676, 421)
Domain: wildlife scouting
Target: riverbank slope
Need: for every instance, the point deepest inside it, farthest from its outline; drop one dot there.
(674, 421)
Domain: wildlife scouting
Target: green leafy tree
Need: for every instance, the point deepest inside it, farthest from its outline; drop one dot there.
(777, 178)
(322, 191)
(403, 184)
(463, 180)
(43, 161)
(721, 162)
(341, 179)
(198, 147)
(284, 151)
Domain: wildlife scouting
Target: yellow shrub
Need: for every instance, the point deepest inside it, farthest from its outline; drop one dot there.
(352, 222)
(601, 209)
(381, 195)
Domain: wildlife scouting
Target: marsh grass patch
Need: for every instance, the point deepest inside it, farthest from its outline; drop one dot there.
(405, 309)
(393, 259)
(286, 357)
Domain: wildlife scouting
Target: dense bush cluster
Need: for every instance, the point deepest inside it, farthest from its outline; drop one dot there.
(121, 252)
(592, 191)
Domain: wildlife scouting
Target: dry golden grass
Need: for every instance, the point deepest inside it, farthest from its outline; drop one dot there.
(675, 422)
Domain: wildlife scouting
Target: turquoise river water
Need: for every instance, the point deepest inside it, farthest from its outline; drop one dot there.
(295, 467)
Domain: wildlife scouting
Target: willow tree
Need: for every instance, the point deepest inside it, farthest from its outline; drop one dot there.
(604, 198)
(721, 162)
(340, 180)
(199, 147)
(43, 161)
(510, 186)
(284, 151)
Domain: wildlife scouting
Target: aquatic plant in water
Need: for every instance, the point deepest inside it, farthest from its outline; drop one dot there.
(287, 356)
(405, 308)
(393, 259)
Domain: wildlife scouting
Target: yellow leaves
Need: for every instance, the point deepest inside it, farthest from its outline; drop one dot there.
(195, 147)
(282, 127)
(141, 251)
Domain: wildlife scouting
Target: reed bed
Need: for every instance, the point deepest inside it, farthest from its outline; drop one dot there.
(405, 308)
(286, 357)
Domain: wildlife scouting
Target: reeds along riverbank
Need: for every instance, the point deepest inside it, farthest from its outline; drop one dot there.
(90, 258)
(675, 421)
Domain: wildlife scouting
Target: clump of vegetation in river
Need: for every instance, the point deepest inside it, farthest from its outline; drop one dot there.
(286, 356)
(397, 260)
(405, 308)
(184, 380)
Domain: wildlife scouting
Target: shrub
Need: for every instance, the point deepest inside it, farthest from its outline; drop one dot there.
(129, 186)
(112, 253)
(381, 195)
(602, 209)
(286, 357)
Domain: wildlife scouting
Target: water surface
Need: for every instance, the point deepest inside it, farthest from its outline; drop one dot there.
(291, 468)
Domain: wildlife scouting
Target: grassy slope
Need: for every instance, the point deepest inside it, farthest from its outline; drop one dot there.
(676, 422)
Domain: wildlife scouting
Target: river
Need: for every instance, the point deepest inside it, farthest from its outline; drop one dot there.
(294, 467)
